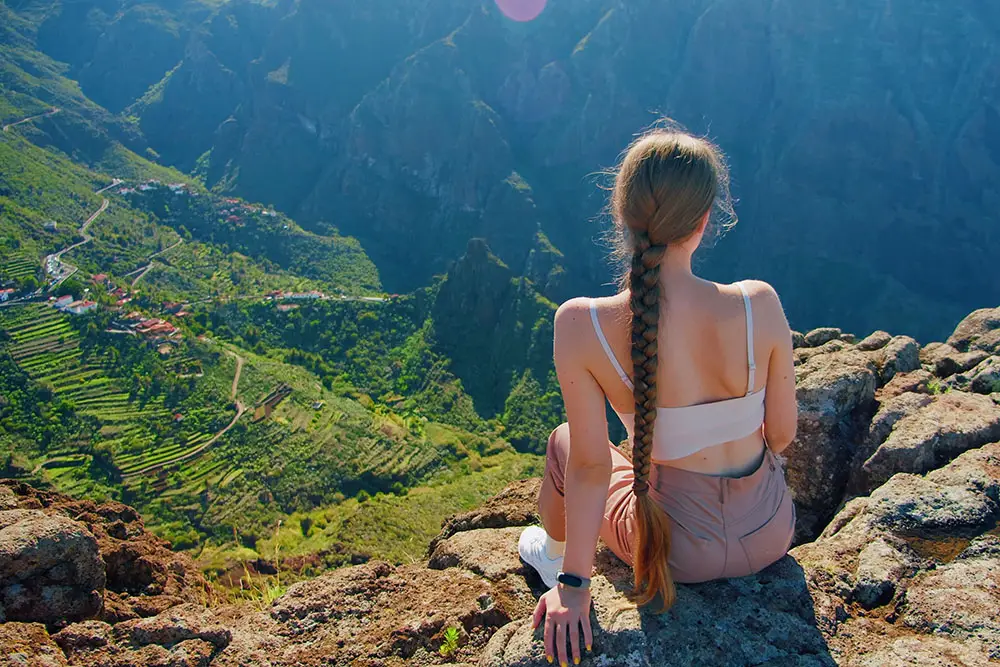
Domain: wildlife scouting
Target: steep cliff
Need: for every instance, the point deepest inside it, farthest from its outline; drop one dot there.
(862, 136)
(905, 571)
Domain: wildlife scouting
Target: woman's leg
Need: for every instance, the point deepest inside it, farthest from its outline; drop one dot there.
(618, 527)
(551, 499)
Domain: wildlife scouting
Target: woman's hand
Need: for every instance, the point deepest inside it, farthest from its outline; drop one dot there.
(564, 610)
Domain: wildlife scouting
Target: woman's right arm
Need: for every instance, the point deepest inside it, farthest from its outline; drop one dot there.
(781, 410)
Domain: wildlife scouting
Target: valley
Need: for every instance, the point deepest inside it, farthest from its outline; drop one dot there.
(282, 274)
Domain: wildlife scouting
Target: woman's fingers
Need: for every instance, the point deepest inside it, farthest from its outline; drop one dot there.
(561, 643)
(588, 634)
(539, 613)
(550, 638)
(574, 640)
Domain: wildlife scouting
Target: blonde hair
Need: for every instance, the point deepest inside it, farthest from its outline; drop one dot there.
(668, 180)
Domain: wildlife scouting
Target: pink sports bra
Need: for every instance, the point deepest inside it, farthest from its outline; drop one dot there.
(680, 432)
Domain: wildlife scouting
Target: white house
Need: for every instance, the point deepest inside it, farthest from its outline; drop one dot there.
(63, 301)
(80, 307)
(6, 294)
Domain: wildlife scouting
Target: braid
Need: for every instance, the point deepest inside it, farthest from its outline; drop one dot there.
(645, 304)
(651, 550)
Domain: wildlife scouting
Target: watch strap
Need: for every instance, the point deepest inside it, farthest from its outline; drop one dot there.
(572, 580)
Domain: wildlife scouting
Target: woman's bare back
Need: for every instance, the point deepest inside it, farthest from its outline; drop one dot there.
(703, 358)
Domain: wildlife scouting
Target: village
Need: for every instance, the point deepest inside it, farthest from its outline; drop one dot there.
(103, 292)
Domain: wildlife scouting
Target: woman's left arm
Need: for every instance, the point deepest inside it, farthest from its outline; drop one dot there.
(588, 474)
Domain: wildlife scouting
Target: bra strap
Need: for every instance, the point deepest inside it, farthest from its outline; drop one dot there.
(750, 360)
(607, 348)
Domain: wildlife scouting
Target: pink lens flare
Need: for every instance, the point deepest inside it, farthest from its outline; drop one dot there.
(521, 10)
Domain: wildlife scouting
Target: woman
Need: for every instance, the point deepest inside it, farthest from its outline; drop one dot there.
(709, 366)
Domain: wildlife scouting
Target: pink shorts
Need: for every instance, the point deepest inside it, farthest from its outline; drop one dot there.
(721, 527)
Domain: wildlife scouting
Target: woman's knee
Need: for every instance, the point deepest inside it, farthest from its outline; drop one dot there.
(557, 451)
(559, 438)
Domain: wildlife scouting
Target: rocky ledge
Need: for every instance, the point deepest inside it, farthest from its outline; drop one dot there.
(896, 474)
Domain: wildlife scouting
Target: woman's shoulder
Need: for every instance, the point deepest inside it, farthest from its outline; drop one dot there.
(582, 305)
(574, 319)
(766, 304)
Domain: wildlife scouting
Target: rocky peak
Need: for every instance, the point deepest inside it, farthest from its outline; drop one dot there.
(896, 473)
(492, 326)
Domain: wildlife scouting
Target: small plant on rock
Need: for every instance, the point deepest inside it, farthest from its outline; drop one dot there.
(450, 644)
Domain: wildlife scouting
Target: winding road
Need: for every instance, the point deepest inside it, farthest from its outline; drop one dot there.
(236, 377)
(143, 270)
(54, 261)
(50, 112)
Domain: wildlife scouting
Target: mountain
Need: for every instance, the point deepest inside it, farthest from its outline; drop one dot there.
(853, 163)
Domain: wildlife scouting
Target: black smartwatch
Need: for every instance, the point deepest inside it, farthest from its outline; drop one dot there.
(572, 580)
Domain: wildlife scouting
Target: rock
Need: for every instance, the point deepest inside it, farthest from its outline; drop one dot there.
(8, 500)
(918, 381)
(28, 644)
(901, 355)
(978, 331)
(848, 338)
(875, 341)
(50, 568)
(180, 624)
(798, 340)
(517, 505)
(187, 635)
(922, 650)
(806, 353)
(142, 576)
(926, 433)
(83, 636)
(818, 337)
(763, 619)
(959, 598)
(891, 410)
(485, 552)
(946, 360)
(836, 395)
(376, 611)
(881, 567)
(927, 541)
(985, 378)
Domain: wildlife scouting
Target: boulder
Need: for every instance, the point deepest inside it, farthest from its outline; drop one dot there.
(28, 645)
(763, 619)
(818, 337)
(876, 341)
(379, 612)
(985, 378)
(485, 552)
(140, 576)
(901, 355)
(918, 381)
(798, 340)
(50, 568)
(946, 361)
(917, 433)
(185, 636)
(517, 505)
(836, 395)
(978, 331)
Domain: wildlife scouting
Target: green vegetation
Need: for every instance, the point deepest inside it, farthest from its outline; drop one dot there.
(449, 642)
(255, 231)
(250, 428)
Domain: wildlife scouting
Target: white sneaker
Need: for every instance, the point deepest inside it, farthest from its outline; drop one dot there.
(531, 546)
